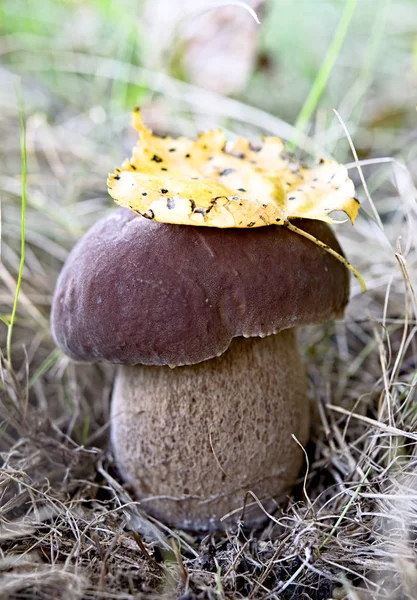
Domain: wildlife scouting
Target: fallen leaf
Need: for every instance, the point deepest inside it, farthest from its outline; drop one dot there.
(213, 183)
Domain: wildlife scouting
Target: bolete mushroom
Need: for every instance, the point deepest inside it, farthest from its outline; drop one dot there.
(210, 400)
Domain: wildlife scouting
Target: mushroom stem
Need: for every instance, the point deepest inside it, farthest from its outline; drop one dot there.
(194, 439)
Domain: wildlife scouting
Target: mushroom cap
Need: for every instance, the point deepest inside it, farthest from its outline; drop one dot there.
(134, 291)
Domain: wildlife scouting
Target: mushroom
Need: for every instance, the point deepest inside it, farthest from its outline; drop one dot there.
(209, 401)
(204, 410)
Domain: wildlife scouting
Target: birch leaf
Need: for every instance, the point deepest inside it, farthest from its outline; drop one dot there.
(214, 183)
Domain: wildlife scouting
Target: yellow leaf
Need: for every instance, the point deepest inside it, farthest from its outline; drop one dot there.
(212, 183)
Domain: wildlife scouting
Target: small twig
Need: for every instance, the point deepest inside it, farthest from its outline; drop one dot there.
(237, 557)
(104, 565)
(145, 552)
(305, 478)
(216, 6)
(265, 574)
(257, 501)
(215, 457)
(387, 428)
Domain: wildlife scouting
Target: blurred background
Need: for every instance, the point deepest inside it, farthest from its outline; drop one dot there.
(254, 68)
(261, 67)
(98, 58)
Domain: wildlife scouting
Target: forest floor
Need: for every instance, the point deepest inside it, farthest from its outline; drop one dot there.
(68, 527)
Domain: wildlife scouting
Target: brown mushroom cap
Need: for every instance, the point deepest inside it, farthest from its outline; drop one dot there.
(135, 291)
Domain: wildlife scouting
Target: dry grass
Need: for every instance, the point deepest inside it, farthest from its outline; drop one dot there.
(68, 527)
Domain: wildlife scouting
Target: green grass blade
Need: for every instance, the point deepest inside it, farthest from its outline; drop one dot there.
(344, 511)
(353, 104)
(327, 66)
(45, 366)
(23, 154)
